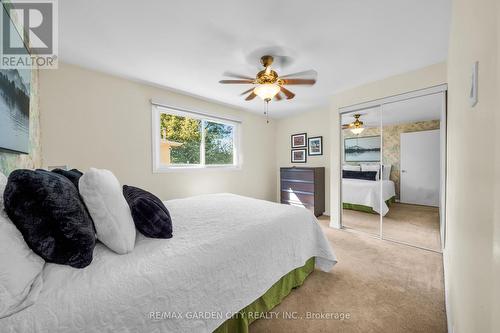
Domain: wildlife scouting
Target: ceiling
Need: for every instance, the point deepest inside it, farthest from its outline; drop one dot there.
(408, 111)
(187, 45)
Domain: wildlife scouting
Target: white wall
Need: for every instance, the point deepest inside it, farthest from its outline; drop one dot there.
(314, 123)
(472, 254)
(90, 119)
(418, 79)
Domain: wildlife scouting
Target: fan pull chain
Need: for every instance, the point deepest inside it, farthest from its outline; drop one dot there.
(266, 112)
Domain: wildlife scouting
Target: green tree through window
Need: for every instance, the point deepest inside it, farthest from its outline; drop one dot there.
(218, 143)
(187, 132)
(183, 135)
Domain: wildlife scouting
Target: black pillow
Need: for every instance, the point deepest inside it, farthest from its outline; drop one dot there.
(47, 209)
(150, 215)
(364, 175)
(73, 175)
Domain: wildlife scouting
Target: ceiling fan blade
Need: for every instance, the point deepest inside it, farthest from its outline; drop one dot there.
(288, 93)
(238, 76)
(278, 97)
(236, 81)
(310, 73)
(345, 126)
(250, 97)
(299, 81)
(246, 91)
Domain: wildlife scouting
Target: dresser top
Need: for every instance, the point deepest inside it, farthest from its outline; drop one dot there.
(302, 168)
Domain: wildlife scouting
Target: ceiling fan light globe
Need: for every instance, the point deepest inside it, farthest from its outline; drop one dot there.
(266, 91)
(357, 130)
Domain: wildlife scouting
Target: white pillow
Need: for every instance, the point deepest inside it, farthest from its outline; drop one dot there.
(371, 167)
(104, 199)
(349, 167)
(386, 171)
(20, 270)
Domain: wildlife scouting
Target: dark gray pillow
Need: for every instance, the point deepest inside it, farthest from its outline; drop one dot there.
(150, 215)
(73, 175)
(47, 209)
(363, 175)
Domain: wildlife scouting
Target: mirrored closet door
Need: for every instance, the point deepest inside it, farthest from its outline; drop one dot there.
(393, 168)
(361, 156)
(411, 156)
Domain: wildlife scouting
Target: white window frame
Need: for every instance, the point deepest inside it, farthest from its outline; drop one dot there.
(157, 110)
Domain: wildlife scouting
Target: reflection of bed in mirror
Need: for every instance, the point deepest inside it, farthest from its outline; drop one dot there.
(364, 195)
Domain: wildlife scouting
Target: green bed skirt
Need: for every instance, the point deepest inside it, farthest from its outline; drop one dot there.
(273, 296)
(366, 209)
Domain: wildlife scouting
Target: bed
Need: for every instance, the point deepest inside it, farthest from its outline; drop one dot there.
(227, 253)
(364, 195)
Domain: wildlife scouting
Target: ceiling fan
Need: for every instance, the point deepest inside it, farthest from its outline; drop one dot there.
(356, 126)
(267, 84)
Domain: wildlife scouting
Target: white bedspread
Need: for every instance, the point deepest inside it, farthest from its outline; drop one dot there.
(367, 193)
(226, 251)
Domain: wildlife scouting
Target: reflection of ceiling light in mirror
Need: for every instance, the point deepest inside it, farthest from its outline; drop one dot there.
(357, 130)
(356, 126)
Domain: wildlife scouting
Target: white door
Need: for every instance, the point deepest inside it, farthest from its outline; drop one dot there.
(420, 168)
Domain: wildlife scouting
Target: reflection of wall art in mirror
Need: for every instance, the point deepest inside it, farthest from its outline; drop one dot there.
(362, 149)
(299, 156)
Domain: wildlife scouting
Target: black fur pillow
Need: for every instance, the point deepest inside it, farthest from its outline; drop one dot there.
(150, 215)
(73, 175)
(47, 209)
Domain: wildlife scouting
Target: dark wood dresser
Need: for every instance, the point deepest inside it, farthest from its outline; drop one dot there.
(304, 187)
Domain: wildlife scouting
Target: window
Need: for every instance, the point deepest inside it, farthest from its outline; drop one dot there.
(183, 139)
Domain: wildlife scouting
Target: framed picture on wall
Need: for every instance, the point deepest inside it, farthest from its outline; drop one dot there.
(299, 140)
(315, 146)
(299, 156)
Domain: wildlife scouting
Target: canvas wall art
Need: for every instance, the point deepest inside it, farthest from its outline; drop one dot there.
(362, 149)
(15, 92)
(15, 109)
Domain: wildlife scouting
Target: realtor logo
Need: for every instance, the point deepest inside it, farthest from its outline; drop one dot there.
(29, 34)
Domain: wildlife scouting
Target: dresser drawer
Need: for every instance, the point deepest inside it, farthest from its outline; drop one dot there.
(303, 187)
(296, 197)
(297, 186)
(303, 175)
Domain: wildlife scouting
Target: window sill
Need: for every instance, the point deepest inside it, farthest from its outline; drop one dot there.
(197, 168)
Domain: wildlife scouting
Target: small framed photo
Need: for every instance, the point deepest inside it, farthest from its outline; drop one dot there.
(299, 156)
(315, 146)
(299, 140)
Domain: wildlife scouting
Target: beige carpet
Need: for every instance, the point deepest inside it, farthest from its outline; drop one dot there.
(416, 225)
(383, 286)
